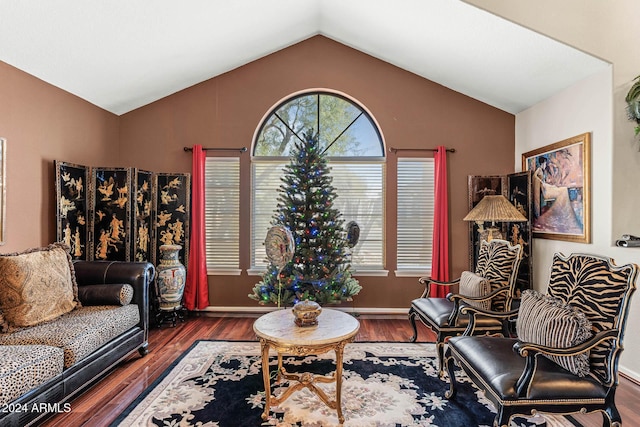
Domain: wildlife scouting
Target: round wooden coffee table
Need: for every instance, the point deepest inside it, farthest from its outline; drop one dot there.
(277, 330)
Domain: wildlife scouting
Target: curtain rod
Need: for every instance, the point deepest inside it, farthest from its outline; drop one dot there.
(395, 150)
(242, 149)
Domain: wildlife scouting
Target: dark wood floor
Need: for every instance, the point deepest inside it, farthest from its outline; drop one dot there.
(106, 400)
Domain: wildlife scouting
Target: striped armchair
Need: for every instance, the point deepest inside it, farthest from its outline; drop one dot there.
(489, 288)
(565, 358)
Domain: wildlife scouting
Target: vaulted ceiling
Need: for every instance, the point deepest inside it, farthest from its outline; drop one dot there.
(123, 54)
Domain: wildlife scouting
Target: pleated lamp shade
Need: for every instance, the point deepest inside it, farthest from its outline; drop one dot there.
(495, 208)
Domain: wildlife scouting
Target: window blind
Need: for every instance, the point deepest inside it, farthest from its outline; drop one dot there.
(222, 214)
(361, 199)
(359, 186)
(415, 213)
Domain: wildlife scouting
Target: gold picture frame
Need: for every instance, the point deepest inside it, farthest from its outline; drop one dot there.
(561, 189)
(3, 188)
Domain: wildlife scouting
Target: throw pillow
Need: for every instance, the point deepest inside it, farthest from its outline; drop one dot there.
(108, 294)
(545, 320)
(37, 285)
(472, 285)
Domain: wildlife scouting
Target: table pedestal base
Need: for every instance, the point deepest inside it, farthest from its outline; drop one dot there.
(278, 331)
(302, 380)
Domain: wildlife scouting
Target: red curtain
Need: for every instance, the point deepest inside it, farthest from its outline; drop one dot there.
(196, 292)
(440, 250)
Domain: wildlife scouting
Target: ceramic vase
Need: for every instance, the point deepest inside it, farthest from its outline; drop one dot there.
(171, 277)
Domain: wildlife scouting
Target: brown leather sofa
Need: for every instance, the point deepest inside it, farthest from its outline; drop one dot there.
(55, 394)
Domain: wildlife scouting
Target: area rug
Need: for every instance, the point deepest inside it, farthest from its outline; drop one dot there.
(219, 383)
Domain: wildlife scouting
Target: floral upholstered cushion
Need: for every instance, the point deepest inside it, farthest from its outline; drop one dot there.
(472, 285)
(545, 320)
(37, 285)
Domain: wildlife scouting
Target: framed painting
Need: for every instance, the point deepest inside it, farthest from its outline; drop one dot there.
(478, 187)
(561, 189)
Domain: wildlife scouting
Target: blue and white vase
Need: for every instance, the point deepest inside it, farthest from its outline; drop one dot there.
(171, 277)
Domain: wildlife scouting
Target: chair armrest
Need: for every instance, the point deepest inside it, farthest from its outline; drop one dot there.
(458, 299)
(474, 311)
(525, 349)
(426, 281)
(530, 351)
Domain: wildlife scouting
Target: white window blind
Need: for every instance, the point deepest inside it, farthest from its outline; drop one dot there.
(265, 176)
(361, 199)
(359, 186)
(222, 213)
(415, 214)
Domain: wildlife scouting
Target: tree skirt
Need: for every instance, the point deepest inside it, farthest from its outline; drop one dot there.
(219, 383)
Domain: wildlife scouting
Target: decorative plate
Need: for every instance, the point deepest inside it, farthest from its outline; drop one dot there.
(279, 245)
(353, 233)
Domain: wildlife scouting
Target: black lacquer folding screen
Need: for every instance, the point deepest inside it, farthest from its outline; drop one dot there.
(72, 207)
(517, 188)
(121, 214)
(143, 205)
(111, 221)
(171, 206)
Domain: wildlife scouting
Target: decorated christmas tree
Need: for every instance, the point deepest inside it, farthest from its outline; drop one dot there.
(318, 268)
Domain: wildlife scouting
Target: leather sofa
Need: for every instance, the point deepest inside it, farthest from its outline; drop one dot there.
(55, 393)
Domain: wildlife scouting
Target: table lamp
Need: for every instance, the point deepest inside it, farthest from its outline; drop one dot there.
(493, 208)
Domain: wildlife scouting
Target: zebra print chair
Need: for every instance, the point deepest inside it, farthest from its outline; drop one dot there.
(490, 289)
(565, 358)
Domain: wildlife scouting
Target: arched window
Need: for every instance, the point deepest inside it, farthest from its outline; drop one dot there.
(344, 128)
(355, 151)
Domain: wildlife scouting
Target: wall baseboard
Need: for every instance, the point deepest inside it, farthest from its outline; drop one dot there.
(630, 377)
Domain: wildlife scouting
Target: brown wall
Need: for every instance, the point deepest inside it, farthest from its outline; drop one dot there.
(412, 113)
(43, 123)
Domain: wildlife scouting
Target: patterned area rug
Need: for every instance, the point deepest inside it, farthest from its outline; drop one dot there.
(219, 383)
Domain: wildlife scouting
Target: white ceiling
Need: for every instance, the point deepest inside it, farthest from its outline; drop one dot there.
(123, 54)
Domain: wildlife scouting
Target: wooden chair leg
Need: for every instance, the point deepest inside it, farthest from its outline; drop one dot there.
(610, 416)
(412, 319)
(451, 393)
(440, 355)
(503, 417)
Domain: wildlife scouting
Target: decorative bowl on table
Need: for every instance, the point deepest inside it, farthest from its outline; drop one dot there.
(306, 313)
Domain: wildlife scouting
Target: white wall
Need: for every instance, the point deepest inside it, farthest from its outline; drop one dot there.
(603, 29)
(584, 107)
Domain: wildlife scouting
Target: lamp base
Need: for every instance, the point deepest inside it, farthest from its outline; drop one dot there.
(490, 233)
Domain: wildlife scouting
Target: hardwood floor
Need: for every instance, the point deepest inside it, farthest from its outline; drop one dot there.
(106, 400)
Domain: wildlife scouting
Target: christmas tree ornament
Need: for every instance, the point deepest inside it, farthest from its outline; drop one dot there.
(353, 233)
